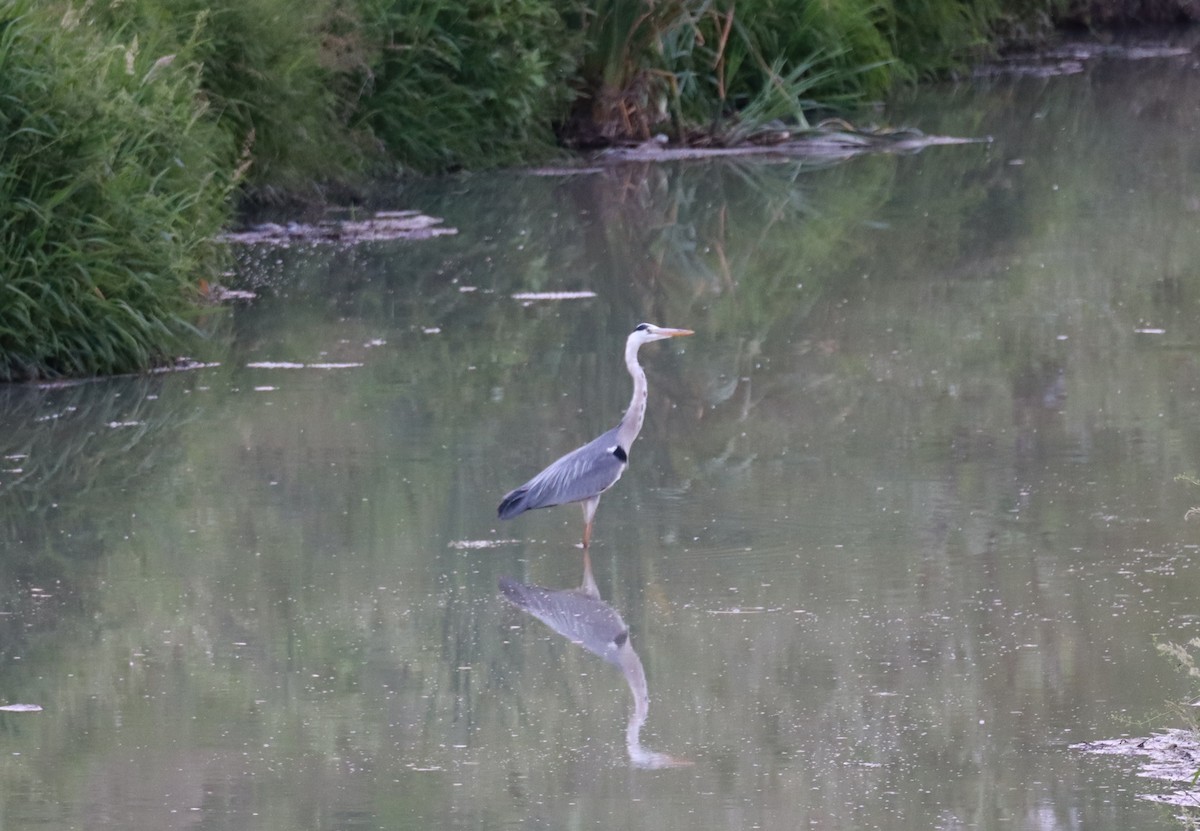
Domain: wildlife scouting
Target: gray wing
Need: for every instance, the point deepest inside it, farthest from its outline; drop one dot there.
(581, 474)
(580, 618)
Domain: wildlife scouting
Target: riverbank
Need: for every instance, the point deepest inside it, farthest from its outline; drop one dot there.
(140, 127)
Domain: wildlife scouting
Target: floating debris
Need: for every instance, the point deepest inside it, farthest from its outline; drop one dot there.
(832, 141)
(381, 227)
(464, 545)
(53, 416)
(294, 365)
(1087, 51)
(1173, 756)
(21, 708)
(566, 170)
(217, 293)
(1034, 68)
(235, 294)
(1070, 59)
(183, 365)
(553, 295)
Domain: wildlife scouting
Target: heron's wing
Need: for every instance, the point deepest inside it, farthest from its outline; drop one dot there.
(581, 474)
(587, 621)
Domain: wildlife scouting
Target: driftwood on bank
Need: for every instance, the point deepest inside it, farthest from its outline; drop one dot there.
(822, 144)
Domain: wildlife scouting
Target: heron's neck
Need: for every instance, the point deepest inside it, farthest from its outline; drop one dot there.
(631, 424)
(635, 677)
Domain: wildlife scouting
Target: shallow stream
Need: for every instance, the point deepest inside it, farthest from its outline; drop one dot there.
(903, 523)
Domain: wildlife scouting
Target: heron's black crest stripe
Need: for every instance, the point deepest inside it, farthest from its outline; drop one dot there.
(620, 639)
(620, 453)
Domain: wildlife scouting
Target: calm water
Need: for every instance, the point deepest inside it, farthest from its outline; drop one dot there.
(903, 522)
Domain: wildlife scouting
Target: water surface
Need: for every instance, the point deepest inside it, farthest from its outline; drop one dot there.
(903, 522)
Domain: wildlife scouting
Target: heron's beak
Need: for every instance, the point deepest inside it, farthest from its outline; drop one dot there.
(674, 333)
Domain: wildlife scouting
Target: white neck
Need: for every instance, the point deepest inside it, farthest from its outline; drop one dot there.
(631, 423)
(635, 677)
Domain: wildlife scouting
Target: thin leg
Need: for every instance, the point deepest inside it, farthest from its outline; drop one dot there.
(589, 512)
(588, 586)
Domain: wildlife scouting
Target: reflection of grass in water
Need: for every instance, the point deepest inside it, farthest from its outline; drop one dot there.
(1184, 657)
(63, 451)
(741, 234)
(744, 248)
(72, 439)
(1191, 480)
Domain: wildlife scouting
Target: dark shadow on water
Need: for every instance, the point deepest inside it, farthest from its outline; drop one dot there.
(582, 617)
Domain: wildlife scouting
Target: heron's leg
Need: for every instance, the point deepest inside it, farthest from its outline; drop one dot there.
(588, 586)
(589, 511)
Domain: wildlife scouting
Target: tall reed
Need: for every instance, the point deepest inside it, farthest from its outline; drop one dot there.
(110, 197)
(467, 83)
(723, 67)
(280, 78)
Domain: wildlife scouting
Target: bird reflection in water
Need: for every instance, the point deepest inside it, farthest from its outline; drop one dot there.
(582, 617)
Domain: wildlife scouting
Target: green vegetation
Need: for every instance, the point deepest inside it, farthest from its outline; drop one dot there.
(467, 83)
(1184, 656)
(280, 79)
(716, 71)
(128, 125)
(113, 186)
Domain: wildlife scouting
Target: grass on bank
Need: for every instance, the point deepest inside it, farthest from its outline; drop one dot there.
(128, 124)
(280, 79)
(470, 83)
(114, 185)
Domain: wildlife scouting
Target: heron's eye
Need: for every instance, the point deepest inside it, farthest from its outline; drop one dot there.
(642, 327)
(620, 639)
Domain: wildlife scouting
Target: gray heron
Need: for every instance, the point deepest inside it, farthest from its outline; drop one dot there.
(588, 471)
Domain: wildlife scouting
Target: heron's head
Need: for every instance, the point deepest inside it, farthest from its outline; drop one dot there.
(647, 332)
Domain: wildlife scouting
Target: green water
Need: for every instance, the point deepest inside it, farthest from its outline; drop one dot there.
(903, 522)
